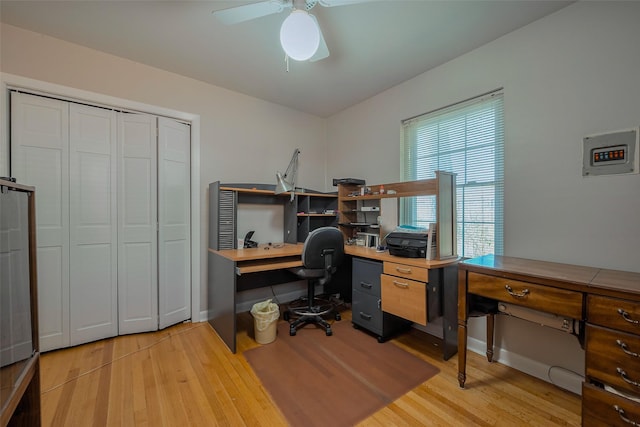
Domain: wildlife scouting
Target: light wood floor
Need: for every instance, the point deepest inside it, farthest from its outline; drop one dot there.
(185, 376)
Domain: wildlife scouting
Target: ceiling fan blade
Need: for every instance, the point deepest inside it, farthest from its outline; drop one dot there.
(323, 50)
(247, 12)
(330, 3)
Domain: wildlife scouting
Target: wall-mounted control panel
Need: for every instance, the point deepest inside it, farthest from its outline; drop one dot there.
(611, 153)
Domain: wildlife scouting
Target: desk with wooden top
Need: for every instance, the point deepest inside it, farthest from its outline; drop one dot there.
(236, 270)
(605, 302)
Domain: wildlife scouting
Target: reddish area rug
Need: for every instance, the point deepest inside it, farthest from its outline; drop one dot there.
(339, 380)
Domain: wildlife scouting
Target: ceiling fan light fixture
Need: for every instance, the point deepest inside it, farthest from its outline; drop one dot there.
(300, 35)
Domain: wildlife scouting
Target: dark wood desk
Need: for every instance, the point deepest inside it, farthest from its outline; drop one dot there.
(605, 302)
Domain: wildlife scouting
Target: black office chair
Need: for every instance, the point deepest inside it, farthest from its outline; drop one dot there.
(322, 253)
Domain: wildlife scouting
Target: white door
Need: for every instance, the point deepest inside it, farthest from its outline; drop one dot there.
(137, 224)
(93, 223)
(40, 157)
(174, 200)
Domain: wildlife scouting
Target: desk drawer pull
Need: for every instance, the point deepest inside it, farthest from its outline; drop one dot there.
(403, 270)
(626, 379)
(365, 316)
(400, 284)
(623, 417)
(522, 294)
(366, 285)
(625, 348)
(626, 317)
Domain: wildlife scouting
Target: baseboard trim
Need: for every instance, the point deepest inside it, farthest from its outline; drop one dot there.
(562, 378)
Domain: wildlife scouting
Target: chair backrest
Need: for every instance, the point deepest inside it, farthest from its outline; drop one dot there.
(324, 245)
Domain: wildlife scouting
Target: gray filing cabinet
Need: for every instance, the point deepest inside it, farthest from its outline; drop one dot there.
(366, 302)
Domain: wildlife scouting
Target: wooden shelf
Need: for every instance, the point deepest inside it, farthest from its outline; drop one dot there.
(442, 187)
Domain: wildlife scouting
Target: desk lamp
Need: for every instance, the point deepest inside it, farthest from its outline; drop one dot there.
(283, 185)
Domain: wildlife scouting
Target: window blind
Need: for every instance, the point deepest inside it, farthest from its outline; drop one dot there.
(467, 139)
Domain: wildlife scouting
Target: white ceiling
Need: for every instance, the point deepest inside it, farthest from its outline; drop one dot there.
(374, 45)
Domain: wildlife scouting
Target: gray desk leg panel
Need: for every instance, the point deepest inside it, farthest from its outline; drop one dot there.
(222, 298)
(450, 311)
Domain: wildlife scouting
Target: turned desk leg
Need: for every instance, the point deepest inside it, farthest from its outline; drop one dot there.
(490, 325)
(462, 352)
(463, 315)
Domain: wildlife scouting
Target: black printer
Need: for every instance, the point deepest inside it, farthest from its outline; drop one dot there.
(408, 245)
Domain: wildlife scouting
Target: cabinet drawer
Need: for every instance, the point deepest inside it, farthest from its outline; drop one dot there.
(537, 297)
(601, 408)
(366, 312)
(613, 358)
(614, 313)
(407, 271)
(405, 298)
(366, 276)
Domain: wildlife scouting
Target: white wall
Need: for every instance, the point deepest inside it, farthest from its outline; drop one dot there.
(571, 74)
(242, 139)
(568, 75)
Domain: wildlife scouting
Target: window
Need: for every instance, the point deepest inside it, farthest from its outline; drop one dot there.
(467, 139)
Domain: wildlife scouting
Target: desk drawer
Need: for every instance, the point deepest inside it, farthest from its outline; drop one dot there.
(366, 312)
(366, 276)
(537, 297)
(601, 408)
(405, 298)
(614, 313)
(613, 357)
(406, 271)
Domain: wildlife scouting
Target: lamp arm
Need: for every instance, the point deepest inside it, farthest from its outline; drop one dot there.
(293, 165)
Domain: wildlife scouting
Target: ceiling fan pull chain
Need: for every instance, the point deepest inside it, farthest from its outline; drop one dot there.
(286, 60)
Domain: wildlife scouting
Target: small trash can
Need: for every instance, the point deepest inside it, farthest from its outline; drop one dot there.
(265, 321)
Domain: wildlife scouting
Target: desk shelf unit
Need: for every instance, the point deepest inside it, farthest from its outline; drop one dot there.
(356, 216)
(314, 210)
(308, 210)
(20, 361)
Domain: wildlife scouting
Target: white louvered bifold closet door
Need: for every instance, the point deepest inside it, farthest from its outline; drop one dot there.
(113, 217)
(137, 224)
(174, 242)
(40, 157)
(93, 223)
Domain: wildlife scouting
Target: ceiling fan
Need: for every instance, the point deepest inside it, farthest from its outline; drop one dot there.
(300, 33)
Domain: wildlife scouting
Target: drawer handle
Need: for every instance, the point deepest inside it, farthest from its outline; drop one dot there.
(626, 317)
(625, 348)
(365, 316)
(623, 417)
(522, 294)
(400, 284)
(626, 379)
(366, 285)
(403, 270)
